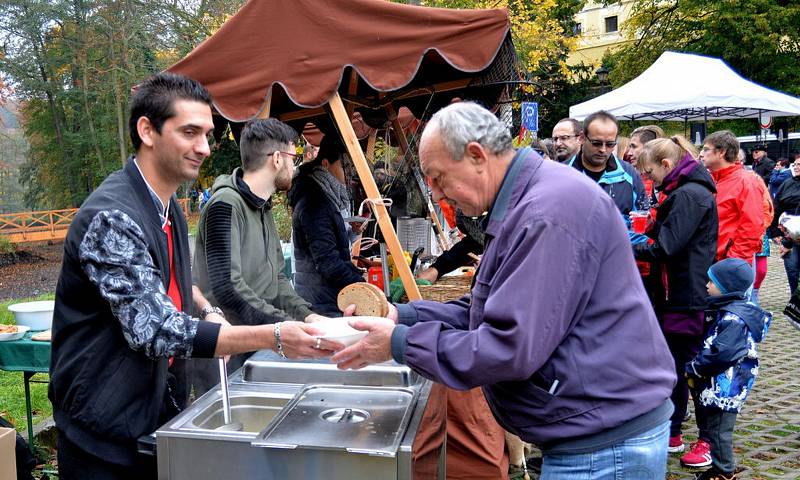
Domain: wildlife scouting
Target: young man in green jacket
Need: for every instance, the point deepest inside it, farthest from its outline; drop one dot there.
(238, 261)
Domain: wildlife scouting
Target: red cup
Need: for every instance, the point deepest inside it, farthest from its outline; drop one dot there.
(375, 276)
(638, 222)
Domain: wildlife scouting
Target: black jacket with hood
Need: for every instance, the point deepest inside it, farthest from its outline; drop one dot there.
(685, 240)
(321, 246)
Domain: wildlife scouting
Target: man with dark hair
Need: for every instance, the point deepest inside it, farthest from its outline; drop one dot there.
(238, 260)
(597, 161)
(124, 292)
(739, 198)
(567, 139)
(762, 164)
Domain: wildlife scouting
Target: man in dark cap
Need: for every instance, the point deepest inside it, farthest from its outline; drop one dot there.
(762, 164)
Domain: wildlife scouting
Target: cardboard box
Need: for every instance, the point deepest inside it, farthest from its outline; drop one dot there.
(8, 457)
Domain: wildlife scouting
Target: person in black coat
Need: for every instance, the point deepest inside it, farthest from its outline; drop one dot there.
(459, 254)
(684, 244)
(762, 164)
(787, 199)
(320, 235)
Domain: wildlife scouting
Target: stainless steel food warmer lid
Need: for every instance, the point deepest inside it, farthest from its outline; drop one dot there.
(369, 420)
(264, 368)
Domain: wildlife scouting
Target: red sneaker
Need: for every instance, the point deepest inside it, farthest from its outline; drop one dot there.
(699, 455)
(675, 444)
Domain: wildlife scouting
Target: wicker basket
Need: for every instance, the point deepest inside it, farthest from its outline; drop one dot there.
(443, 293)
(456, 281)
(445, 289)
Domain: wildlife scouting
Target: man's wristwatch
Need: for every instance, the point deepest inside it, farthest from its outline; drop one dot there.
(208, 309)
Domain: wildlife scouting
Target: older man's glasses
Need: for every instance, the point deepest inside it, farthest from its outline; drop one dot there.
(562, 138)
(600, 143)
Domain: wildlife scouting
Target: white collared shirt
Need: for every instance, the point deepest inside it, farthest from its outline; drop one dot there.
(163, 211)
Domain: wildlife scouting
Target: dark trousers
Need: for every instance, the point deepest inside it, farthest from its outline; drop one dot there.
(683, 349)
(720, 428)
(791, 263)
(701, 413)
(77, 464)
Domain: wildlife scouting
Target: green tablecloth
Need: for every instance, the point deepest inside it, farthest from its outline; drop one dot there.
(25, 355)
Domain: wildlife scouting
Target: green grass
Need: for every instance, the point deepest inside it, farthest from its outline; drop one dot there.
(12, 389)
(6, 246)
(192, 222)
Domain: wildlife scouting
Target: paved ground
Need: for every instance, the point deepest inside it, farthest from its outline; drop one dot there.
(767, 436)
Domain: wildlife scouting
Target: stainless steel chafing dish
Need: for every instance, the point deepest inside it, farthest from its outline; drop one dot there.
(301, 420)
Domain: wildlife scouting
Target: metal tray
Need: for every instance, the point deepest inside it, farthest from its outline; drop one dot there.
(369, 420)
(262, 368)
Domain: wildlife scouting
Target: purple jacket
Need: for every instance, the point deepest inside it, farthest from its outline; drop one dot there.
(559, 331)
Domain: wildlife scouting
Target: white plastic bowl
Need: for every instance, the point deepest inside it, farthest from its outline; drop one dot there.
(37, 315)
(338, 330)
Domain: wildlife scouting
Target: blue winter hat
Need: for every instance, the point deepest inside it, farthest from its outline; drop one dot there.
(732, 275)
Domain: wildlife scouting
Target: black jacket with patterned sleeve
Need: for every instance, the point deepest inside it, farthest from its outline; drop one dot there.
(114, 326)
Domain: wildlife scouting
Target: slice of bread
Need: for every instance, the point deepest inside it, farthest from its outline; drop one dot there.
(44, 336)
(368, 299)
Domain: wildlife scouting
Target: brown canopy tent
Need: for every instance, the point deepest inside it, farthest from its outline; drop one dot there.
(316, 61)
(309, 49)
(296, 60)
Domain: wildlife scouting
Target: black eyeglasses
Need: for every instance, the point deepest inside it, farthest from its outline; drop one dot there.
(600, 143)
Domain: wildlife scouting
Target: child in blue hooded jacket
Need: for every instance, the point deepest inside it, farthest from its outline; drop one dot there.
(722, 374)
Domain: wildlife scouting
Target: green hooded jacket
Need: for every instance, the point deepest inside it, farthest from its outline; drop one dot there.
(238, 262)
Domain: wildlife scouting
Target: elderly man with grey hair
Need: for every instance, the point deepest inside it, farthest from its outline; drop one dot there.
(558, 330)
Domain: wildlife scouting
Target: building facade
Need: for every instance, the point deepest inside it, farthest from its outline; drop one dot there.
(598, 29)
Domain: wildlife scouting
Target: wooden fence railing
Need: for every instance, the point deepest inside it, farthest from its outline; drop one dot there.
(45, 225)
(36, 226)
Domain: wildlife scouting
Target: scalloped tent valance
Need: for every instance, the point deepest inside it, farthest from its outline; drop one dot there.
(297, 53)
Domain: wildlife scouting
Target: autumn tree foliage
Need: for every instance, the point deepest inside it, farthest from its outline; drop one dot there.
(71, 65)
(760, 39)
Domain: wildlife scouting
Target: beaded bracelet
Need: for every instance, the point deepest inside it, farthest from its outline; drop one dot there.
(278, 344)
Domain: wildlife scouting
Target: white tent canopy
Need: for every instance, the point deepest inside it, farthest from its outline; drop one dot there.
(681, 86)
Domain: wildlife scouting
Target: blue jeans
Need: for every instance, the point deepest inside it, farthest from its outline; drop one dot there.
(642, 457)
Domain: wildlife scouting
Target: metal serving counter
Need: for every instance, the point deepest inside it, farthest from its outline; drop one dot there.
(301, 419)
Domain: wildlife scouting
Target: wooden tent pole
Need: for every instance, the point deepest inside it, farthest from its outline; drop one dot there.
(342, 120)
(264, 113)
(373, 137)
(402, 141)
(352, 88)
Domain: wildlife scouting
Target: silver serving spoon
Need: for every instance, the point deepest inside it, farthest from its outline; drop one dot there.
(229, 425)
